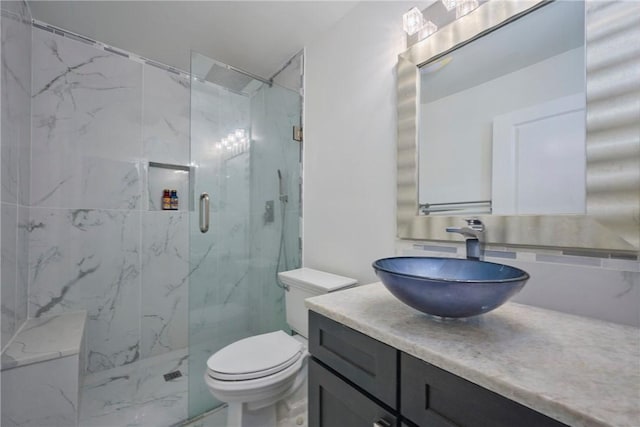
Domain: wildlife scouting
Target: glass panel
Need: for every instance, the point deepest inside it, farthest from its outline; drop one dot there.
(241, 136)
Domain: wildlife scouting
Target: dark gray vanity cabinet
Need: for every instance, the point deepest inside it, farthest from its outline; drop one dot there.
(334, 402)
(431, 396)
(355, 380)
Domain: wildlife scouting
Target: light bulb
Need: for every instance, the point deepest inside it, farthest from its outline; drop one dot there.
(428, 29)
(450, 4)
(465, 6)
(412, 21)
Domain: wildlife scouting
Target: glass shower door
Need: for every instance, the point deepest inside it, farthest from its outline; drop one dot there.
(246, 163)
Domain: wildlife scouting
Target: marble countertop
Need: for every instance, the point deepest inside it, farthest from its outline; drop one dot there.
(580, 371)
(45, 338)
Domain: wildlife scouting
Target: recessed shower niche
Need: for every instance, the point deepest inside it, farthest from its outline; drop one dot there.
(166, 176)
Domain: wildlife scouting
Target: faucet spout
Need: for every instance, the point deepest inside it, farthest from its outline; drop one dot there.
(473, 234)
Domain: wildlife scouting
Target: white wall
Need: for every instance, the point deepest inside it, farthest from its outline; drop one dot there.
(350, 141)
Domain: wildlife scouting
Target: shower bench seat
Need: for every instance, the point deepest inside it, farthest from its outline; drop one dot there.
(42, 369)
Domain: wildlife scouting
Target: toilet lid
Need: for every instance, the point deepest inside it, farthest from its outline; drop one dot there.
(255, 357)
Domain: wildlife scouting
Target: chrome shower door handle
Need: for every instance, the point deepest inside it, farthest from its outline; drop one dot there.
(203, 211)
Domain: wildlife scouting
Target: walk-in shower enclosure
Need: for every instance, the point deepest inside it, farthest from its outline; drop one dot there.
(92, 135)
(244, 157)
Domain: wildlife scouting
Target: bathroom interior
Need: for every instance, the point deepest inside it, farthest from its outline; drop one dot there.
(178, 177)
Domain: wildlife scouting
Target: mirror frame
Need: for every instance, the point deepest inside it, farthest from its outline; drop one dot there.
(612, 219)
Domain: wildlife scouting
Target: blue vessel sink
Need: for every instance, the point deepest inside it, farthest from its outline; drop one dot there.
(450, 287)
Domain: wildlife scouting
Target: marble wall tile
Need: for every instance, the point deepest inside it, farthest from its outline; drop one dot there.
(89, 259)
(42, 394)
(166, 116)
(87, 129)
(22, 265)
(165, 282)
(204, 266)
(16, 91)
(18, 7)
(586, 291)
(9, 272)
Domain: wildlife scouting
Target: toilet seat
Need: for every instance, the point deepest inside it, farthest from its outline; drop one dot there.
(255, 357)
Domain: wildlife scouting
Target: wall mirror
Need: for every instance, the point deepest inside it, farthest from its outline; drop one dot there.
(524, 114)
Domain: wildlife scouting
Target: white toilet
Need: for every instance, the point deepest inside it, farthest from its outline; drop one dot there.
(254, 374)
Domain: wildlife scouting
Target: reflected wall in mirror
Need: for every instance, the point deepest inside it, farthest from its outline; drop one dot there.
(521, 157)
(519, 99)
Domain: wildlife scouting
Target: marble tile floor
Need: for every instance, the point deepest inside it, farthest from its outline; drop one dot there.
(137, 394)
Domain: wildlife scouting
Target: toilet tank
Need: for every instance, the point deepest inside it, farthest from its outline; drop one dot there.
(305, 283)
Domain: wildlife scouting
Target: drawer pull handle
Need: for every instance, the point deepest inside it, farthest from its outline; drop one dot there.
(381, 423)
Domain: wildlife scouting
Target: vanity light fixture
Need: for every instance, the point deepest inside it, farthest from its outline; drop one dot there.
(465, 6)
(450, 4)
(412, 21)
(427, 29)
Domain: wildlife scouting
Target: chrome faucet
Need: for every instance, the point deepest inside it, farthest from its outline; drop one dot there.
(473, 234)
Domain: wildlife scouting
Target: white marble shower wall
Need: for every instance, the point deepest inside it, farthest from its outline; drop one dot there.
(97, 119)
(15, 163)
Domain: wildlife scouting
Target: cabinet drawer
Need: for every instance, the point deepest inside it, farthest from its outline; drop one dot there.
(431, 396)
(333, 402)
(361, 359)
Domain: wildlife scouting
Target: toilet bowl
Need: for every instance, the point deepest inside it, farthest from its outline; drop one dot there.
(255, 375)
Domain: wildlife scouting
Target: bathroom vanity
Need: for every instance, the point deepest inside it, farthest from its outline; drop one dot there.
(378, 362)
